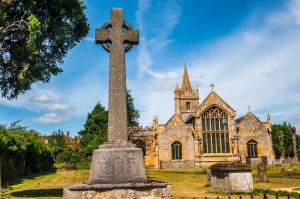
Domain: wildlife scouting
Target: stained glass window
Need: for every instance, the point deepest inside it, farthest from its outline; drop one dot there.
(215, 131)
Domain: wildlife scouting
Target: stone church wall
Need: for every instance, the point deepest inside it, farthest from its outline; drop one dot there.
(176, 130)
(250, 128)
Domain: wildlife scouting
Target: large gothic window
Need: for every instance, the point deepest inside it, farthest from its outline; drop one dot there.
(176, 151)
(215, 131)
(252, 149)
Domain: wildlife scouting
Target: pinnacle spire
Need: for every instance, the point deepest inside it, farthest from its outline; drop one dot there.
(186, 85)
(177, 87)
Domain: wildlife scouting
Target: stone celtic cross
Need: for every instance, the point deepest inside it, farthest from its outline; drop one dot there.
(117, 37)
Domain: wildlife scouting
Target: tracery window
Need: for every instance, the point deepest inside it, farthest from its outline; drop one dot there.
(252, 149)
(188, 106)
(215, 131)
(176, 150)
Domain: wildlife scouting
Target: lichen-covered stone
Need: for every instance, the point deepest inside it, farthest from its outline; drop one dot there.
(113, 41)
(153, 190)
(231, 177)
(117, 164)
(262, 173)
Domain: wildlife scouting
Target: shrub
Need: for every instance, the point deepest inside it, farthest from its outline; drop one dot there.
(5, 194)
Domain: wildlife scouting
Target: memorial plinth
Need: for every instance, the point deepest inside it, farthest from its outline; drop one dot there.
(117, 167)
(113, 163)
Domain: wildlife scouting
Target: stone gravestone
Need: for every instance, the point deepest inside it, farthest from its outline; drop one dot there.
(262, 173)
(295, 158)
(117, 167)
(289, 160)
(209, 176)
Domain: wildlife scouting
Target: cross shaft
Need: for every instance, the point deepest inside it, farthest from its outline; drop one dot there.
(114, 36)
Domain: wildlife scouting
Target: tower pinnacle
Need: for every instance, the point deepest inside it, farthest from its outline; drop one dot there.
(186, 85)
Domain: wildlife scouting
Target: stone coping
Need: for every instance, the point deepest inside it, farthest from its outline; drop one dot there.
(231, 166)
(117, 145)
(86, 186)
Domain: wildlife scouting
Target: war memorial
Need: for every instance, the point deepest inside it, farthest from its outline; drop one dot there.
(117, 167)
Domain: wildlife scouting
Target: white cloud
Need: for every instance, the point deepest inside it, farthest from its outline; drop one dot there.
(295, 10)
(59, 107)
(49, 118)
(45, 98)
(155, 31)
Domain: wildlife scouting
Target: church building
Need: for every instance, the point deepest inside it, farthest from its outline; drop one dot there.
(205, 133)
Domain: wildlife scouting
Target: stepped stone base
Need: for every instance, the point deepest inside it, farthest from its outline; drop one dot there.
(120, 162)
(117, 172)
(153, 190)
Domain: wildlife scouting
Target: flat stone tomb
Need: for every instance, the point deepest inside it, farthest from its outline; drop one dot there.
(231, 177)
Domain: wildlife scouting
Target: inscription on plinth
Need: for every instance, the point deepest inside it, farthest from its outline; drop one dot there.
(116, 165)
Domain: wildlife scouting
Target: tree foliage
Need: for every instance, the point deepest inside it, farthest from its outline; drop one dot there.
(133, 114)
(35, 36)
(282, 139)
(22, 152)
(95, 127)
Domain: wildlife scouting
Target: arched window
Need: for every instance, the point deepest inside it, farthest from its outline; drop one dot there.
(140, 144)
(176, 151)
(215, 131)
(188, 106)
(252, 149)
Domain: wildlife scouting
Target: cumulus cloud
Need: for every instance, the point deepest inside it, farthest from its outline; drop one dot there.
(49, 118)
(59, 107)
(57, 110)
(45, 98)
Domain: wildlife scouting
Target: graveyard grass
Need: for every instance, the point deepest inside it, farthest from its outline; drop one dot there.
(187, 183)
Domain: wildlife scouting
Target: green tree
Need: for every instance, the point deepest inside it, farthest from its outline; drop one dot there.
(57, 139)
(133, 114)
(95, 127)
(57, 143)
(282, 139)
(22, 152)
(35, 36)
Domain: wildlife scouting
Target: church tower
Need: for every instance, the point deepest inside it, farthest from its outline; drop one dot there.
(186, 98)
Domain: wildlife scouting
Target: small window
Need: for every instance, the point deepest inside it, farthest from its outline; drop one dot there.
(252, 149)
(176, 151)
(188, 106)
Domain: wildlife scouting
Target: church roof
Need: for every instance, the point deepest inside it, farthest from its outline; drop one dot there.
(239, 120)
(214, 99)
(186, 85)
(175, 115)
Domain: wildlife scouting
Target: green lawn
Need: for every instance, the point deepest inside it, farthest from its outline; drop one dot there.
(187, 183)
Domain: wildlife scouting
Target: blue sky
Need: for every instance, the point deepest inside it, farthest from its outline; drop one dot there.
(248, 49)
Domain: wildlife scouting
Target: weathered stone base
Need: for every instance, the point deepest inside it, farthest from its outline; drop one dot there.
(117, 163)
(234, 182)
(149, 190)
(177, 164)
